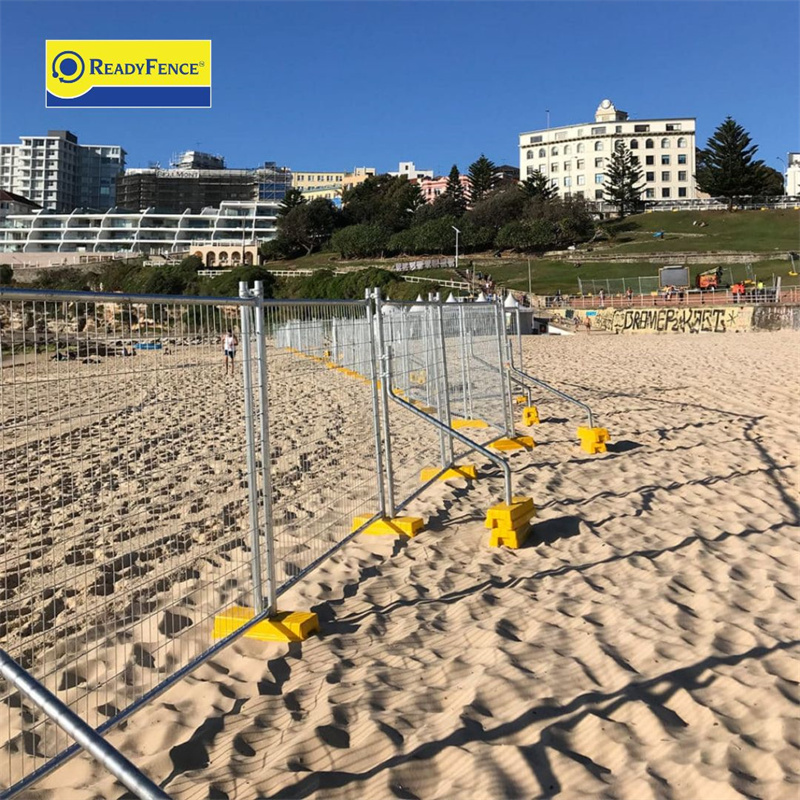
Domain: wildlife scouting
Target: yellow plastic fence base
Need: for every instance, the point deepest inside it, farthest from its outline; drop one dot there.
(389, 526)
(422, 407)
(530, 415)
(469, 423)
(287, 626)
(517, 443)
(593, 440)
(418, 378)
(466, 471)
(510, 524)
(520, 399)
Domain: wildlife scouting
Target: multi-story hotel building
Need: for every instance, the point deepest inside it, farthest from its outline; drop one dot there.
(575, 157)
(119, 230)
(791, 178)
(58, 173)
(328, 185)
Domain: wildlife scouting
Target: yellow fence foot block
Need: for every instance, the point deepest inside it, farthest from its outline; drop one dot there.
(465, 471)
(510, 523)
(519, 399)
(469, 423)
(389, 526)
(593, 440)
(530, 415)
(517, 443)
(287, 626)
(422, 407)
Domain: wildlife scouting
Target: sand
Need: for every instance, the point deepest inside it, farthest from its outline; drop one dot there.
(644, 644)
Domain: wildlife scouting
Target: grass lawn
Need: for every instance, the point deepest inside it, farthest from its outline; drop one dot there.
(776, 230)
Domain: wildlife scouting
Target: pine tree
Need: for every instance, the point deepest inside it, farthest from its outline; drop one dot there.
(452, 198)
(537, 185)
(623, 180)
(726, 167)
(481, 178)
(292, 199)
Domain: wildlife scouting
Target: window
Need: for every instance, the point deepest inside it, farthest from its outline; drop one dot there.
(641, 128)
(598, 162)
(619, 145)
(681, 142)
(665, 192)
(561, 135)
(648, 144)
(673, 126)
(682, 191)
(598, 146)
(581, 180)
(635, 159)
(543, 168)
(682, 175)
(567, 181)
(553, 151)
(665, 143)
(649, 176)
(579, 148)
(598, 194)
(618, 129)
(542, 152)
(599, 131)
(567, 149)
(554, 183)
(567, 166)
(665, 161)
(554, 167)
(535, 140)
(665, 176)
(529, 155)
(530, 172)
(682, 158)
(581, 163)
(579, 194)
(649, 193)
(598, 178)
(649, 160)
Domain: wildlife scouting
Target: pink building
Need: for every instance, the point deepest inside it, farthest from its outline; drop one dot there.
(431, 188)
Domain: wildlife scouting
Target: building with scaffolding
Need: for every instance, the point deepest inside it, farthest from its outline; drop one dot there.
(196, 180)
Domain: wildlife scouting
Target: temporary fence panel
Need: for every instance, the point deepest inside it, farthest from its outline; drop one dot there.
(322, 404)
(612, 286)
(124, 502)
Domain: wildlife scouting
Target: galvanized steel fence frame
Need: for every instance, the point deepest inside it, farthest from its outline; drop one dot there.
(353, 347)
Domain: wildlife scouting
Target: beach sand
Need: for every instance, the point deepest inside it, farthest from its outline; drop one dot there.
(644, 644)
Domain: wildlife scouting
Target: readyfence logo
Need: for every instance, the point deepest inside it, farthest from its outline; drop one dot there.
(128, 73)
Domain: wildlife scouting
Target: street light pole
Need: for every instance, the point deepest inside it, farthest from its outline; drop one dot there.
(457, 232)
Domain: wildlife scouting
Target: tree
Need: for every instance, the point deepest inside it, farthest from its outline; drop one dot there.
(537, 185)
(624, 181)
(771, 182)
(498, 208)
(292, 199)
(481, 178)
(726, 167)
(360, 241)
(309, 226)
(386, 200)
(452, 202)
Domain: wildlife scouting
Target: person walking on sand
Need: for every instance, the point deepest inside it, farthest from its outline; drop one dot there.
(588, 324)
(229, 345)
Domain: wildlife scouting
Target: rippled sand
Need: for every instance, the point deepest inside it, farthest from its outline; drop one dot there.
(644, 644)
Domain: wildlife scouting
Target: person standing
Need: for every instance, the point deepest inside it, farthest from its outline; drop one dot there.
(229, 345)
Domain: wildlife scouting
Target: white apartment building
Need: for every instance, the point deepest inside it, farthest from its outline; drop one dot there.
(118, 230)
(575, 157)
(409, 169)
(58, 173)
(791, 178)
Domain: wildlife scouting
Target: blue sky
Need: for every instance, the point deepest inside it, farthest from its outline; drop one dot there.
(331, 85)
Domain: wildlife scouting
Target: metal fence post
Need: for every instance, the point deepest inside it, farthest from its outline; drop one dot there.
(444, 410)
(435, 352)
(383, 357)
(249, 421)
(462, 343)
(505, 382)
(266, 451)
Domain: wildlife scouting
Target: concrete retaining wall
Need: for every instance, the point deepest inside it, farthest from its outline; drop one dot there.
(662, 319)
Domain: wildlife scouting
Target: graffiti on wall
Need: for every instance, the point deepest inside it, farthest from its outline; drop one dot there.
(672, 320)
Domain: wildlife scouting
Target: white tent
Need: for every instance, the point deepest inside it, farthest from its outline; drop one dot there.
(451, 299)
(510, 301)
(481, 298)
